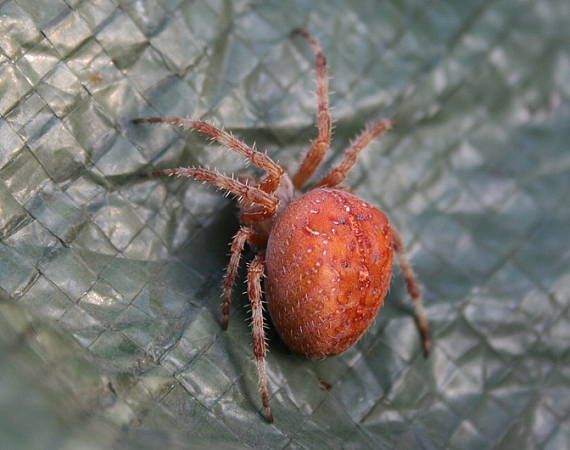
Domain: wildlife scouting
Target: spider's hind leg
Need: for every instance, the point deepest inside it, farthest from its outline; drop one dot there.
(413, 289)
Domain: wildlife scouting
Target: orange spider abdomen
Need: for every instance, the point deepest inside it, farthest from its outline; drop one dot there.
(328, 267)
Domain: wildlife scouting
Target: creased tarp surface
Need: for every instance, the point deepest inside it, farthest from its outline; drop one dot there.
(109, 326)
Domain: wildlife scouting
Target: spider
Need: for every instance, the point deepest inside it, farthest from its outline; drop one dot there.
(326, 255)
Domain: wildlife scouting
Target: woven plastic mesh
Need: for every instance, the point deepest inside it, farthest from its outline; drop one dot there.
(110, 284)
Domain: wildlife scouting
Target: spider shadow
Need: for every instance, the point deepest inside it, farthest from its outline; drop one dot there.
(214, 240)
(398, 305)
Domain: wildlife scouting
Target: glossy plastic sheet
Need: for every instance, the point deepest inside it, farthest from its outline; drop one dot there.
(110, 283)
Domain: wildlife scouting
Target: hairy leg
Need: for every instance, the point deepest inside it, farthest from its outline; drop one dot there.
(254, 275)
(413, 289)
(321, 144)
(238, 244)
(269, 183)
(268, 202)
(339, 173)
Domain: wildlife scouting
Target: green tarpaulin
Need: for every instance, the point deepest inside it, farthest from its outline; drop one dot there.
(110, 283)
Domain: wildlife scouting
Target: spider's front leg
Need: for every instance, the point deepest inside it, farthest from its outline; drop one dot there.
(338, 174)
(324, 121)
(254, 276)
(269, 183)
(257, 199)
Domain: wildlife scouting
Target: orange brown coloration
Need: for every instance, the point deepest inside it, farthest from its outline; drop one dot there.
(338, 250)
(327, 254)
(238, 244)
(324, 121)
(254, 275)
(339, 173)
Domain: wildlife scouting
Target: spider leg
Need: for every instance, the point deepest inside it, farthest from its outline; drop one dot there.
(321, 144)
(244, 235)
(254, 275)
(413, 289)
(246, 179)
(238, 244)
(267, 201)
(338, 174)
(269, 183)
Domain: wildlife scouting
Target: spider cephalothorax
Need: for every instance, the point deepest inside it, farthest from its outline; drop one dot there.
(326, 254)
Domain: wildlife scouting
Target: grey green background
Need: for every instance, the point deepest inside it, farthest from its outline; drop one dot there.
(109, 284)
